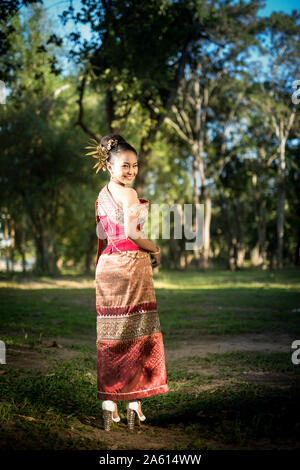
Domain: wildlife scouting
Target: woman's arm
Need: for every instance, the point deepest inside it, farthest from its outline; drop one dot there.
(130, 222)
(145, 244)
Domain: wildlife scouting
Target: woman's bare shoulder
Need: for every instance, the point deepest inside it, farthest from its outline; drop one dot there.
(130, 197)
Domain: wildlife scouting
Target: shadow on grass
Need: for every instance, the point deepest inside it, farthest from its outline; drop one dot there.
(44, 408)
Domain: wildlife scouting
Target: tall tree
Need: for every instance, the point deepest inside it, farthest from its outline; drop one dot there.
(138, 54)
(274, 99)
(210, 78)
(39, 159)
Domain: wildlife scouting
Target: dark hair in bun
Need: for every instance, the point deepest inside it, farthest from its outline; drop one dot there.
(121, 146)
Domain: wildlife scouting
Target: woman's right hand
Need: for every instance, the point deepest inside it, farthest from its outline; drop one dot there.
(155, 260)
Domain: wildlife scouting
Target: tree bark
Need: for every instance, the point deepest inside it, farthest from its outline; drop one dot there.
(89, 254)
(228, 231)
(44, 240)
(206, 228)
(240, 245)
(260, 218)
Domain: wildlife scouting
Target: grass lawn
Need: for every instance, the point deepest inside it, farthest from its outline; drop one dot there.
(227, 338)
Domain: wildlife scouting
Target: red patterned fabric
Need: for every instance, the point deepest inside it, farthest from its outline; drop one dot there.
(130, 349)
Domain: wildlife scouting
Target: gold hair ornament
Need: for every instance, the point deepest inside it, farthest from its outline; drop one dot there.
(101, 153)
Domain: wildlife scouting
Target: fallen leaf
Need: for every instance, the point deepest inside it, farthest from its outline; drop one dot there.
(28, 418)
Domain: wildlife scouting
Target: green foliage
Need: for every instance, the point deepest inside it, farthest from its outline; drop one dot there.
(139, 71)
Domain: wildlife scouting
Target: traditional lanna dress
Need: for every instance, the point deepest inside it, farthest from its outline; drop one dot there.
(130, 349)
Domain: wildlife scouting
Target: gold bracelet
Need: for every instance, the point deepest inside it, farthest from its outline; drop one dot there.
(155, 253)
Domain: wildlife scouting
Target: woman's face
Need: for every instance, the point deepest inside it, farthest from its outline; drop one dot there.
(124, 168)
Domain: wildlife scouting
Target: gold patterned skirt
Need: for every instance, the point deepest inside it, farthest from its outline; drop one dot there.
(130, 349)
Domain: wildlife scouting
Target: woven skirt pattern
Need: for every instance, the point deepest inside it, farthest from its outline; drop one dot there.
(130, 349)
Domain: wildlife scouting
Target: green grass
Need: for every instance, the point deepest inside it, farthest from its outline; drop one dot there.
(213, 303)
(239, 361)
(210, 403)
(43, 408)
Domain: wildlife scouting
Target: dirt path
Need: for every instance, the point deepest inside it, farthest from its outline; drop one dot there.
(23, 357)
(223, 343)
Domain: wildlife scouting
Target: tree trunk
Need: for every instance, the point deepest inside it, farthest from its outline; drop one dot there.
(21, 238)
(271, 260)
(260, 220)
(280, 222)
(263, 234)
(196, 200)
(89, 254)
(228, 231)
(46, 257)
(6, 237)
(207, 222)
(13, 244)
(240, 245)
(297, 251)
(281, 190)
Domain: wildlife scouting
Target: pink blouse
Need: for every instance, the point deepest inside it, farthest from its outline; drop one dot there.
(112, 224)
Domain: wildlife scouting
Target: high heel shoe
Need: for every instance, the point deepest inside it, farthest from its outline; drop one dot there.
(132, 407)
(108, 408)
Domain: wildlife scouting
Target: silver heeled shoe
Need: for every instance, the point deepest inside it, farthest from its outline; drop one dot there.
(132, 411)
(108, 408)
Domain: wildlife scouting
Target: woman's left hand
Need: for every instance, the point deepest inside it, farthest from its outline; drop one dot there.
(155, 260)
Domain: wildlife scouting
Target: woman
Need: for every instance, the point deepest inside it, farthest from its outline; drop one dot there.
(130, 350)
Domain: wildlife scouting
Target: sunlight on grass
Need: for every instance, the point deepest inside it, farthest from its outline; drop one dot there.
(286, 279)
(49, 283)
(190, 285)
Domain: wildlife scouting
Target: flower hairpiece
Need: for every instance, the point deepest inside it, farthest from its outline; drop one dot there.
(101, 153)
